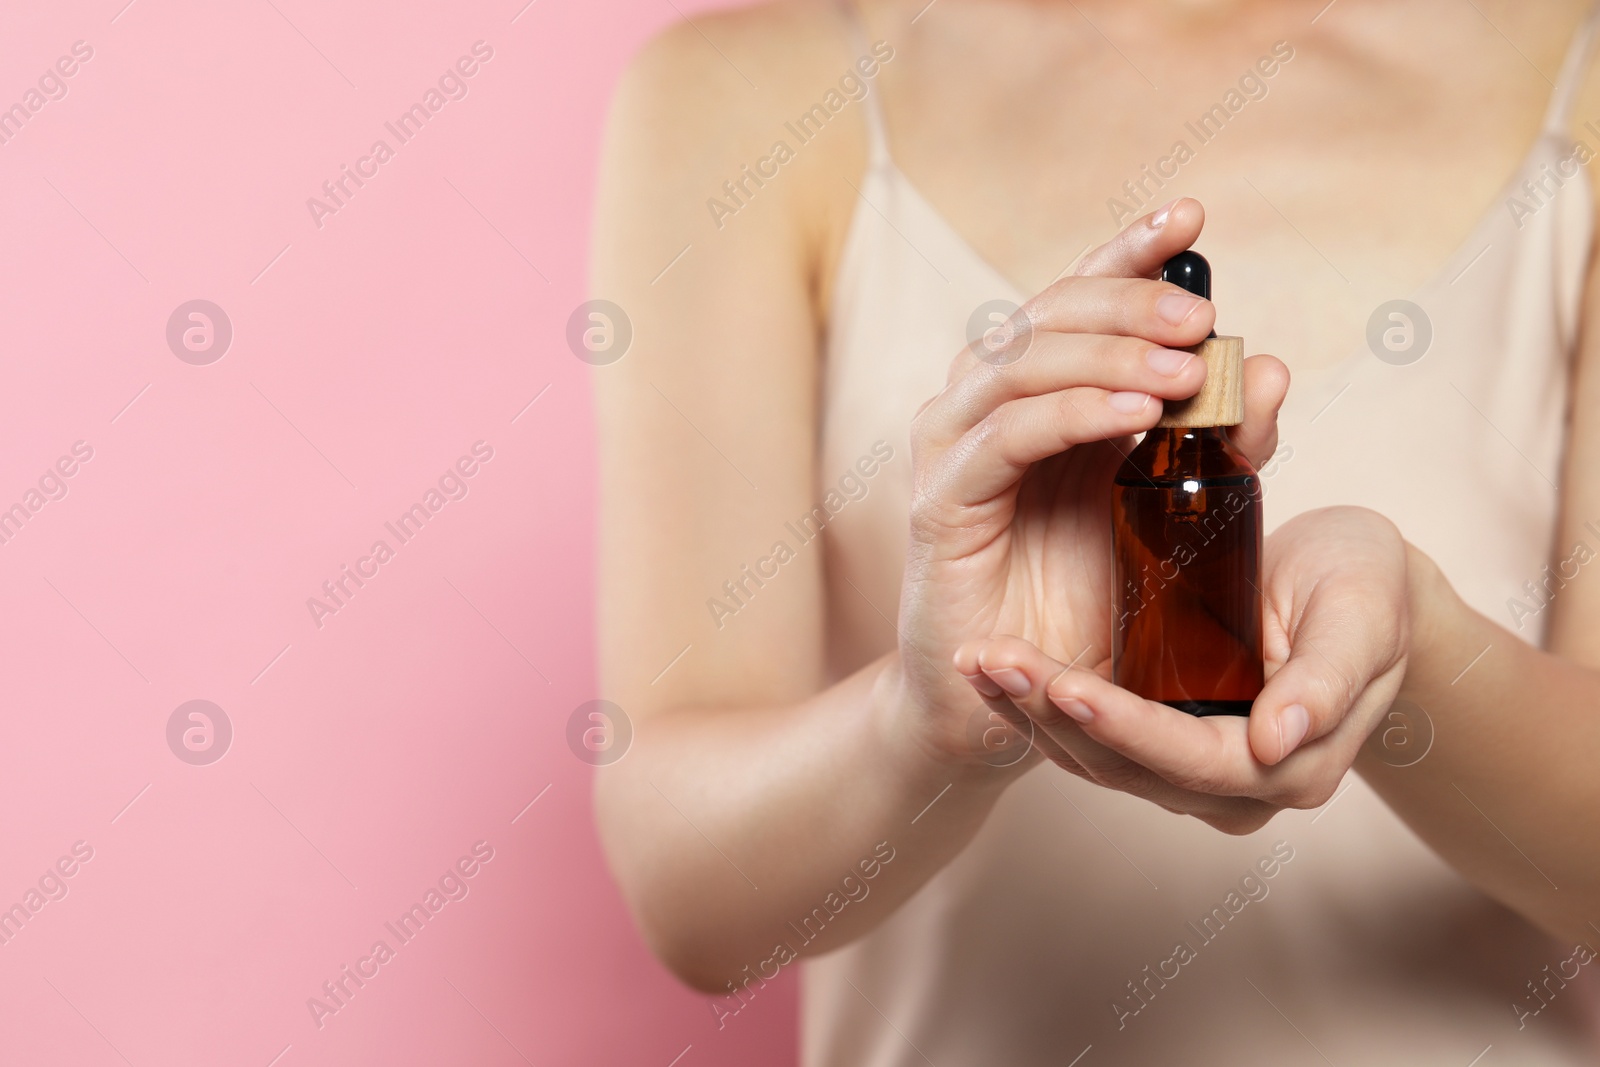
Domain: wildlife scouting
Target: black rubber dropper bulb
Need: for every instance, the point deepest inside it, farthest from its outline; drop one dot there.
(1189, 271)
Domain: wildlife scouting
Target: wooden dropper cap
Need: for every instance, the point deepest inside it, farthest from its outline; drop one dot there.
(1220, 401)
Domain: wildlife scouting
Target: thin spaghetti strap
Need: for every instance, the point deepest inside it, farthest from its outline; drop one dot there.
(1557, 117)
(877, 129)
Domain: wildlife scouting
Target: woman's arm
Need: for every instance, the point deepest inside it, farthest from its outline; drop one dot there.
(750, 797)
(750, 791)
(1509, 794)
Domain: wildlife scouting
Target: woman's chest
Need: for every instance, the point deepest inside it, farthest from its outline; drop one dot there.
(1336, 172)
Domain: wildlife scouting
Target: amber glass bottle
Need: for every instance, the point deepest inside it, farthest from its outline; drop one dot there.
(1186, 542)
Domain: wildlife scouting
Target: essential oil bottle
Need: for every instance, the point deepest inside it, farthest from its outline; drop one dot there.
(1186, 542)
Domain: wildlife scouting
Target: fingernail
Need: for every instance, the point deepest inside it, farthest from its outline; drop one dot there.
(1077, 709)
(1177, 307)
(1167, 361)
(984, 687)
(1013, 681)
(1293, 721)
(1128, 403)
(1159, 219)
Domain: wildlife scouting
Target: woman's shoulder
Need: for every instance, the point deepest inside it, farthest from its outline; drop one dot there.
(713, 72)
(715, 117)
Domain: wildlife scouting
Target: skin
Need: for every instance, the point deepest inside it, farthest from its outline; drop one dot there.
(764, 763)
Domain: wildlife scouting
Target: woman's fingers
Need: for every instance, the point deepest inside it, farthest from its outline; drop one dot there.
(1205, 755)
(1113, 738)
(1120, 739)
(1056, 362)
(1090, 358)
(1338, 576)
(1028, 677)
(1147, 242)
(1266, 383)
(1158, 312)
(1001, 709)
(984, 431)
(993, 455)
(1135, 307)
(1003, 736)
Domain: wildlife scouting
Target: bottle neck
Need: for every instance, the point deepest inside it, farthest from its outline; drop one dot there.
(1181, 439)
(1189, 451)
(1197, 432)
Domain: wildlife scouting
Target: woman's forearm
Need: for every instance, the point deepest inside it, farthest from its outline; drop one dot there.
(1507, 793)
(745, 837)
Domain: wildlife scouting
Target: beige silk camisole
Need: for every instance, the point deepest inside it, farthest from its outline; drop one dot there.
(1053, 939)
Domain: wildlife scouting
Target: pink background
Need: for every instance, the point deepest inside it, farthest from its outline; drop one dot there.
(371, 753)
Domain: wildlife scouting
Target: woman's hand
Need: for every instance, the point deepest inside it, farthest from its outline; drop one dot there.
(1336, 634)
(1012, 466)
